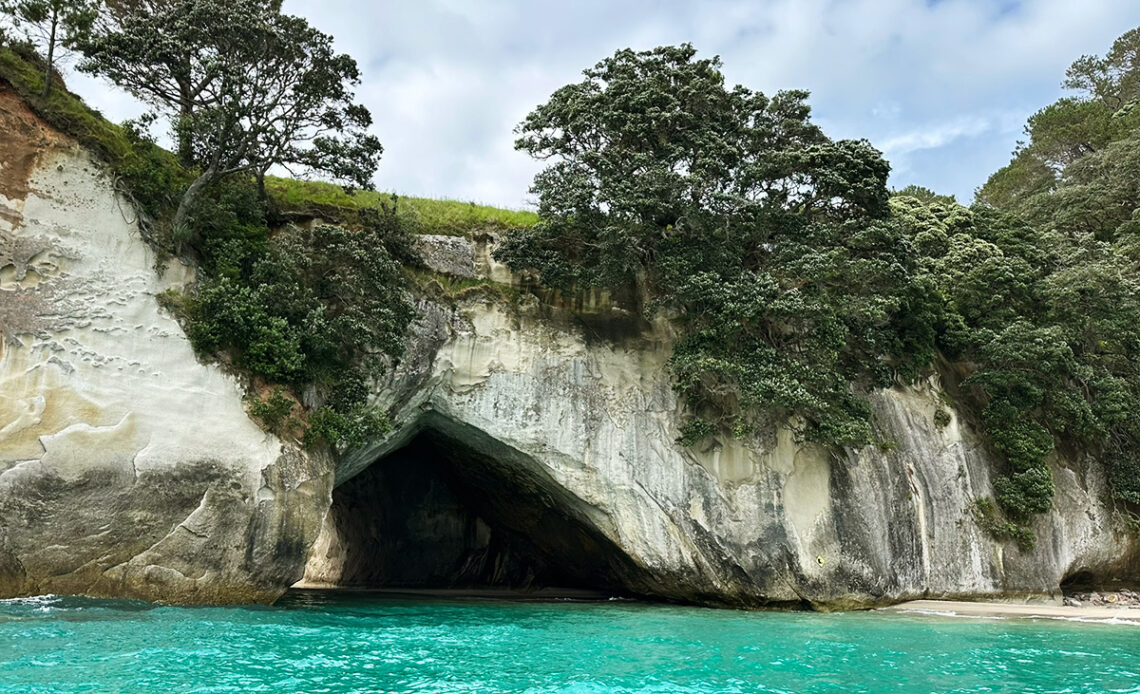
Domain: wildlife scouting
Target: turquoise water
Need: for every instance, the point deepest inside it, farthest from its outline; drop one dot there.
(346, 643)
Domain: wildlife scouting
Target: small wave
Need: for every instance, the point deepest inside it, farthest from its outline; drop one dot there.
(1062, 618)
(957, 615)
(41, 603)
(69, 604)
(34, 600)
(1090, 620)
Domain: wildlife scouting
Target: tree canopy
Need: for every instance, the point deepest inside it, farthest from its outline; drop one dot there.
(796, 282)
(53, 27)
(770, 242)
(1102, 111)
(1068, 365)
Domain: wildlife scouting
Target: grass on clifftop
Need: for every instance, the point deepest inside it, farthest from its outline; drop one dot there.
(149, 175)
(62, 109)
(426, 216)
(155, 179)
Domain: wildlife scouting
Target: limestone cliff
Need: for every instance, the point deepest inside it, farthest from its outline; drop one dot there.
(126, 467)
(550, 400)
(534, 443)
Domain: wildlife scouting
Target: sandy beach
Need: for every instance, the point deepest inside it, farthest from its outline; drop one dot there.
(997, 610)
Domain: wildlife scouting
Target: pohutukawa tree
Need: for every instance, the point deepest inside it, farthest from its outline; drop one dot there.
(770, 242)
(245, 87)
(53, 26)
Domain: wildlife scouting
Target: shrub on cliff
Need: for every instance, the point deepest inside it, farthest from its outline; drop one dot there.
(314, 304)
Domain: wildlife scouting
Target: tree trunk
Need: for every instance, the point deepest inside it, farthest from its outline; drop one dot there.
(50, 54)
(185, 136)
(182, 232)
(185, 119)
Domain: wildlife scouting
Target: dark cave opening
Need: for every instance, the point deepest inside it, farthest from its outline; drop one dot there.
(1080, 581)
(462, 511)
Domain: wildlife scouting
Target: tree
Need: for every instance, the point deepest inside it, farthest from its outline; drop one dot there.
(770, 243)
(1114, 80)
(246, 87)
(1102, 112)
(184, 75)
(53, 26)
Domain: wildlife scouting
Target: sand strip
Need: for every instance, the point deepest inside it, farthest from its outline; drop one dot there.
(1000, 610)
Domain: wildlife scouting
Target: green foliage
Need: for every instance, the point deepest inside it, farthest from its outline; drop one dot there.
(942, 418)
(1064, 360)
(1113, 79)
(347, 420)
(145, 173)
(771, 243)
(344, 431)
(273, 410)
(418, 215)
(325, 306)
(175, 302)
(244, 87)
(1124, 471)
(1025, 493)
(924, 195)
(694, 431)
(1068, 131)
(994, 524)
(313, 304)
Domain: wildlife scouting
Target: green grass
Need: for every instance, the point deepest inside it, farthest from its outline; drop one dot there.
(63, 109)
(141, 167)
(426, 216)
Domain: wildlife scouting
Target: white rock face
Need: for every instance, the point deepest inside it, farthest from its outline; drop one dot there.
(126, 467)
(731, 522)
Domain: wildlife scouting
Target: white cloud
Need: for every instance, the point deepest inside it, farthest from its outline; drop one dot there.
(934, 136)
(942, 86)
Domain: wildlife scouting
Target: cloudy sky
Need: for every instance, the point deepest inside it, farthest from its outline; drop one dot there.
(943, 87)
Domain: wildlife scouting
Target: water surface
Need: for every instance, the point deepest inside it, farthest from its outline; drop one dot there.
(319, 642)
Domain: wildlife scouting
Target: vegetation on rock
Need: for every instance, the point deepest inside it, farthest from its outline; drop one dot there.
(797, 282)
(418, 215)
(771, 244)
(1067, 365)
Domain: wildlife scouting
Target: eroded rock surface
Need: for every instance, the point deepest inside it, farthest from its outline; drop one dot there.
(753, 522)
(127, 468)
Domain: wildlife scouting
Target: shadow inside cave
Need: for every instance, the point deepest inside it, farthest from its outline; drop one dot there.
(458, 510)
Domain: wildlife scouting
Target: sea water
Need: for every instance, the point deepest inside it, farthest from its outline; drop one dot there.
(313, 642)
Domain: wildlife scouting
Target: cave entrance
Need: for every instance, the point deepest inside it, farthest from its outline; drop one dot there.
(454, 509)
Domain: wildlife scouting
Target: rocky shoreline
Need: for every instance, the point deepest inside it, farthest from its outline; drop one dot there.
(1119, 598)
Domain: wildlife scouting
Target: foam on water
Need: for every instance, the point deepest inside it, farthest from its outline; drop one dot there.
(361, 643)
